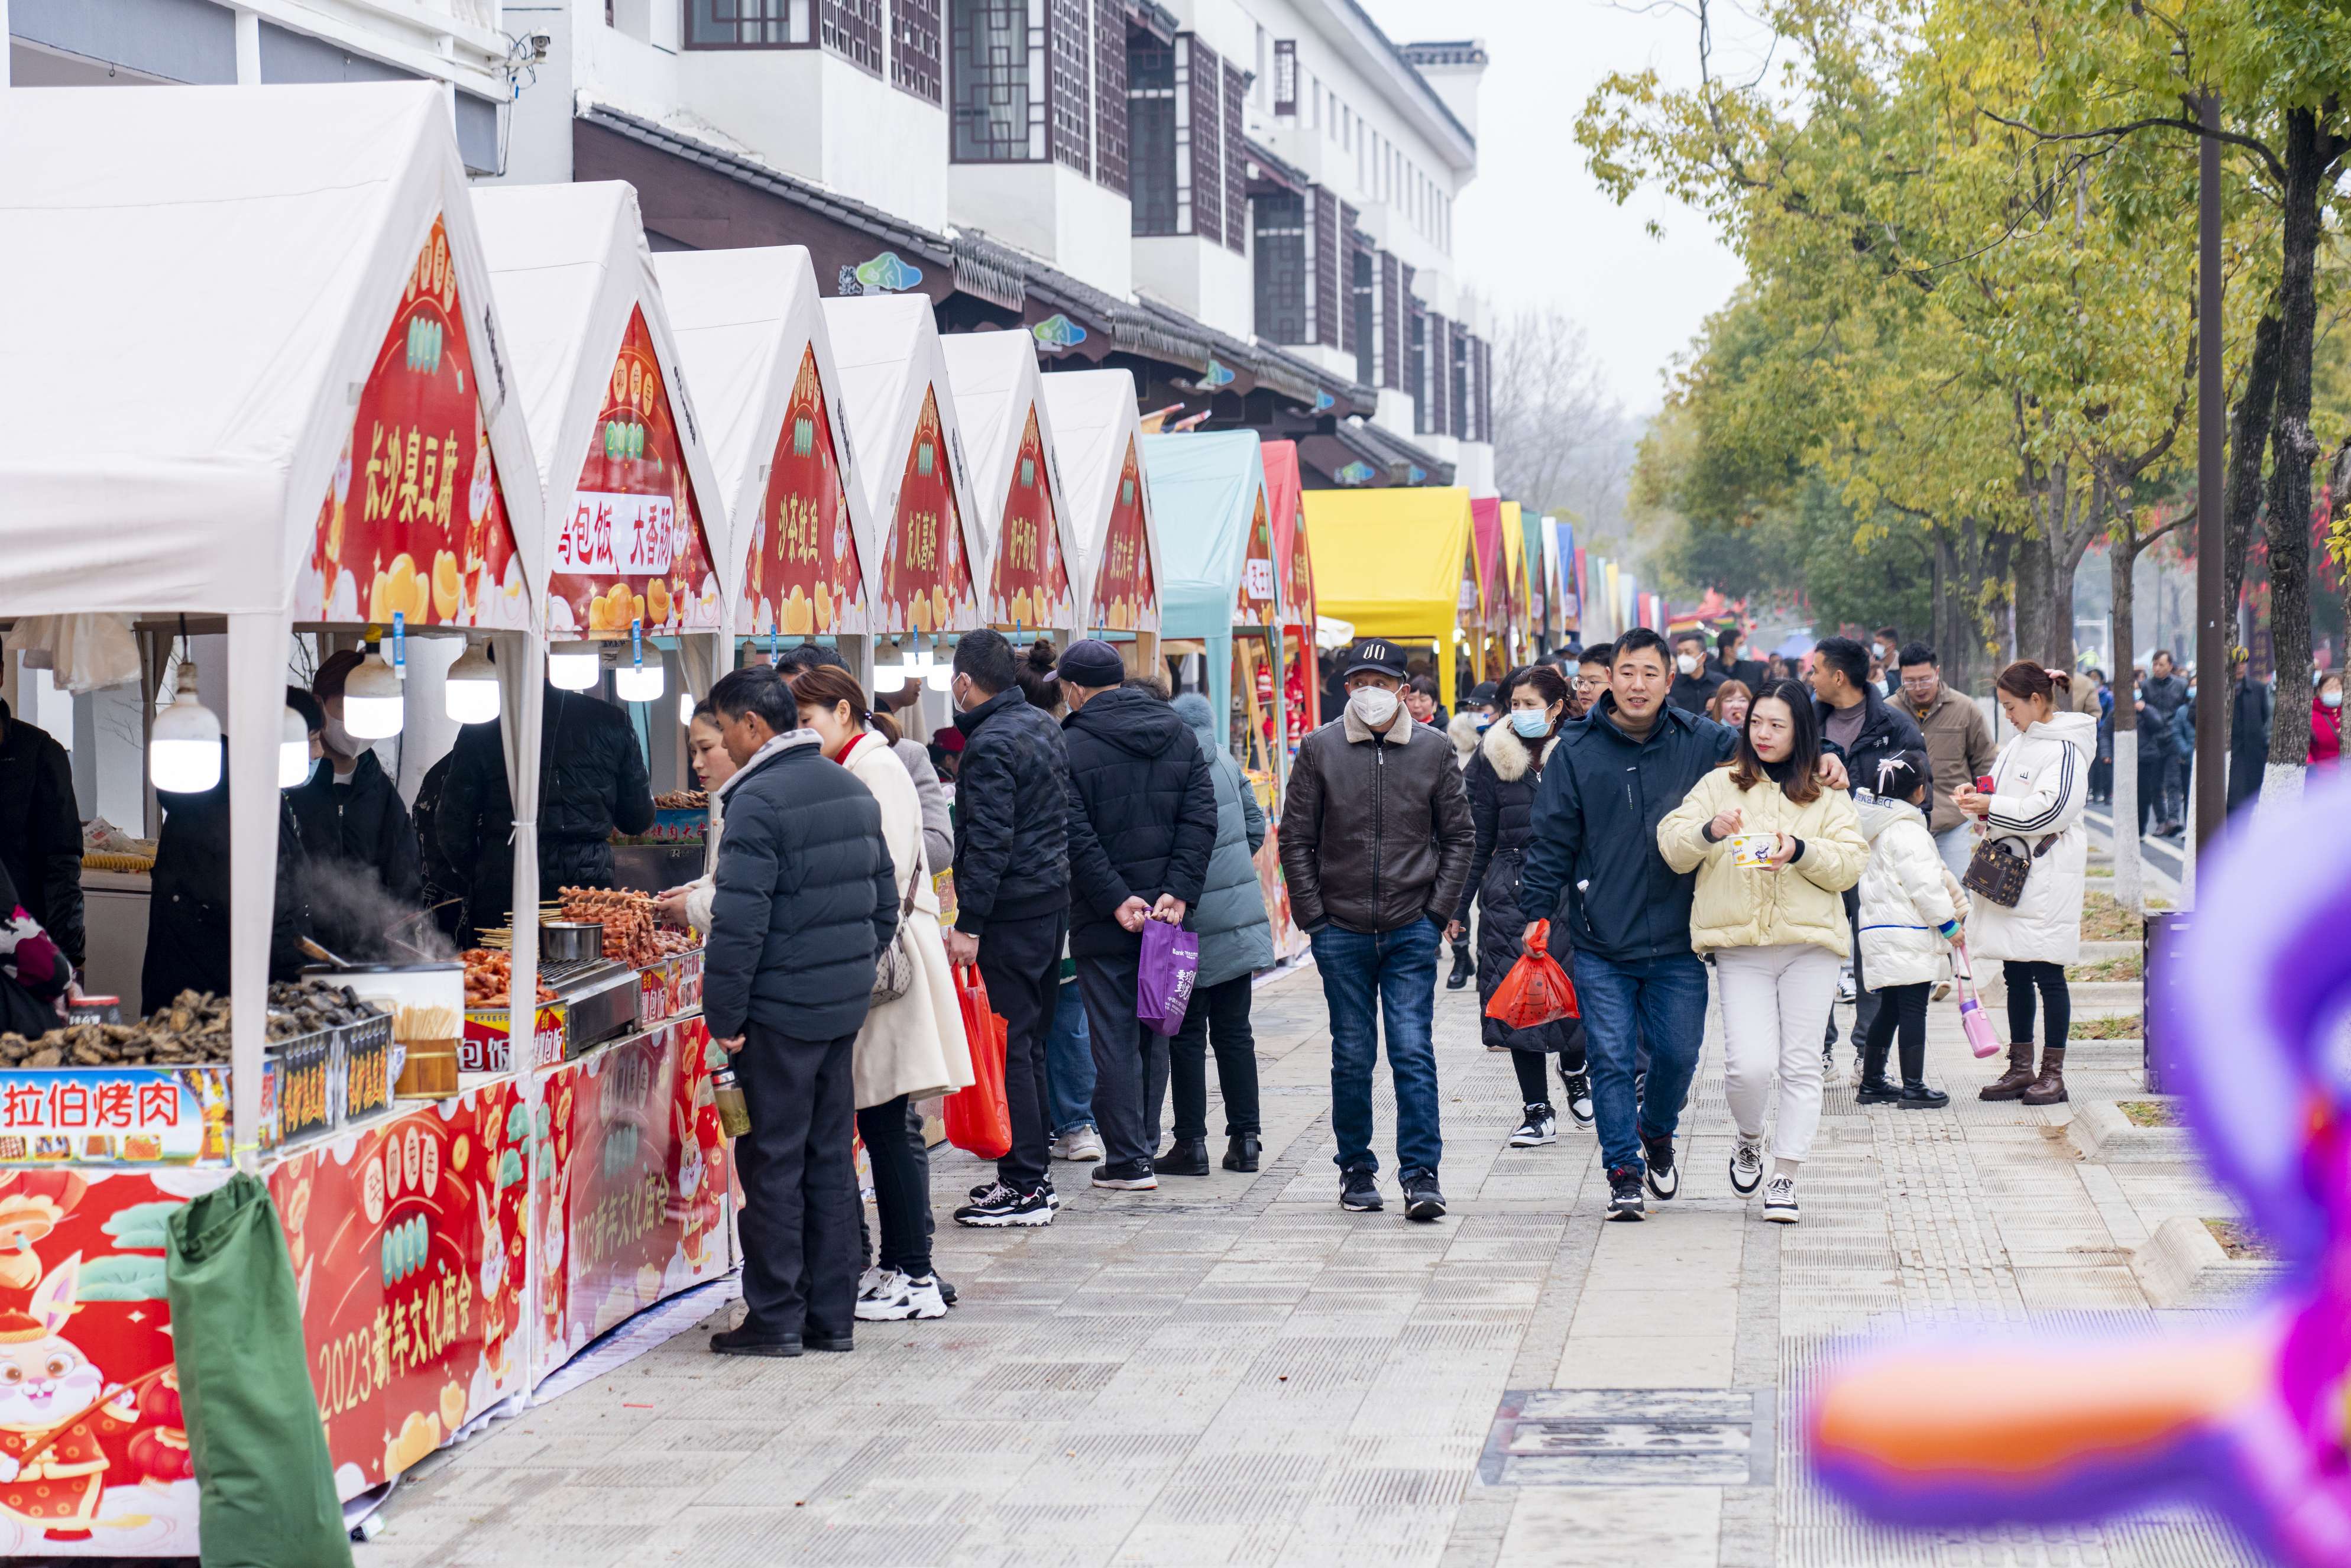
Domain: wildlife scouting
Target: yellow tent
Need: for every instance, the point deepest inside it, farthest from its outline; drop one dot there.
(1392, 563)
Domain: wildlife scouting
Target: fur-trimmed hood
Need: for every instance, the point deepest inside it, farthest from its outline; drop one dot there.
(1508, 755)
(1462, 731)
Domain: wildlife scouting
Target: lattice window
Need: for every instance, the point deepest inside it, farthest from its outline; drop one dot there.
(1282, 290)
(1110, 95)
(1391, 323)
(1326, 268)
(1236, 163)
(1070, 93)
(1363, 315)
(1440, 375)
(1457, 394)
(1285, 75)
(1485, 390)
(915, 52)
(1350, 282)
(1154, 176)
(749, 24)
(1206, 129)
(998, 115)
(852, 29)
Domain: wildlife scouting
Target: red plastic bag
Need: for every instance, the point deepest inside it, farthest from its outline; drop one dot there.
(979, 1118)
(1537, 990)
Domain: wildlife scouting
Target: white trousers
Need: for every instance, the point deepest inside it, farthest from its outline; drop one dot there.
(1775, 1007)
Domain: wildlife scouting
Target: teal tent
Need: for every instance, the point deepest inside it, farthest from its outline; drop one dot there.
(1218, 581)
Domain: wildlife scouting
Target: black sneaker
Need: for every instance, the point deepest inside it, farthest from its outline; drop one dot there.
(1126, 1175)
(1624, 1193)
(1359, 1190)
(1423, 1199)
(1184, 1157)
(1538, 1127)
(996, 1206)
(747, 1341)
(1664, 1180)
(1579, 1098)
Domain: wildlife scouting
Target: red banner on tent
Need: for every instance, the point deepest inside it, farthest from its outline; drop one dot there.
(1031, 585)
(1125, 599)
(414, 523)
(804, 578)
(925, 574)
(1254, 601)
(633, 548)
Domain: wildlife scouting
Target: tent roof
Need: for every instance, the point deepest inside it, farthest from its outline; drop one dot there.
(203, 277)
(1205, 487)
(571, 266)
(1094, 417)
(887, 349)
(996, 385)
(744, 320)
(1283, 489)
(1486, 515)
(1390, 560)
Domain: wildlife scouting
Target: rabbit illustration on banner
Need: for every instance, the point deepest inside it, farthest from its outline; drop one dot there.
(55, 1405)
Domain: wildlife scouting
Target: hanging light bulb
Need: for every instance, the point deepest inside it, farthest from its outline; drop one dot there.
(940, 673)
(572, 666)
(293, 749)
(640, 683)
(183, 754)
(374, 701)
(685, 707)
(890, 672)
(470, 694)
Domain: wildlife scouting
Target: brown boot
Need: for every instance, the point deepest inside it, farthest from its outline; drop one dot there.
(2050, 1087)
(2016, 1079)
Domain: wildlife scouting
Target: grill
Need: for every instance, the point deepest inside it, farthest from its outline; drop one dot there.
(599, 1000)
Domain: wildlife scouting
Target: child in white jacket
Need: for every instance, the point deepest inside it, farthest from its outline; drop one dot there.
(1911, 910)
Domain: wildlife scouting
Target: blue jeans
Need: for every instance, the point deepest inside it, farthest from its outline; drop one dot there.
(1363, 977)
(1069, 1063)
(1658, 1001)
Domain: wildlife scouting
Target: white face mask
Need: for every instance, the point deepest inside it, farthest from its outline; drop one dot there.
(338, 740)
(1687, 663)
(2331, 699)
(1373, 707)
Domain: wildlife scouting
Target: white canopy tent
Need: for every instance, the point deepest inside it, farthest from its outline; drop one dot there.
(902, 424)
(1028, 574)
(206, 277)
(1098, 435)
(751, 334)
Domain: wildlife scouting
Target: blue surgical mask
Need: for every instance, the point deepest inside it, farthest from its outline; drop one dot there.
(1530, 722)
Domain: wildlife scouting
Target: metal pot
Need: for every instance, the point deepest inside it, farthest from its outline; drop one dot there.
(570, 941)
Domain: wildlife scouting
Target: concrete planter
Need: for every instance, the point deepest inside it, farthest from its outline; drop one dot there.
(2181, 1265)
(2099, 1131)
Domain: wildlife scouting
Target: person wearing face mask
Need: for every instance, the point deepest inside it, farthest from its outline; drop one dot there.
(1376, 847)
(1502, 783)
(357, 838)
(1882, 646)
(1012, 902)
(1695, 680)
(2326, 725)
(1475, 720)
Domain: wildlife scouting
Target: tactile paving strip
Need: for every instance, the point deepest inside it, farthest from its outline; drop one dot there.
(1631, 1436)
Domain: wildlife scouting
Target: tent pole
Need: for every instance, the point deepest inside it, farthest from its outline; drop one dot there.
(256, 673)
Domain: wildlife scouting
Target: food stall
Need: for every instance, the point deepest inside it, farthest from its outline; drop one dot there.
(1016, 482)
(265, 392)
(1302, 683)
(1220, 592)
(1400, 564)
(1489, 656)
(1097, 431)
(1518, 602)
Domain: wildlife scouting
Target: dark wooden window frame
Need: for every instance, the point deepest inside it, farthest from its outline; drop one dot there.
(1285, 77)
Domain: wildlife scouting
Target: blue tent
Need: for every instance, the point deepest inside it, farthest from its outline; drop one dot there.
(1208, 497)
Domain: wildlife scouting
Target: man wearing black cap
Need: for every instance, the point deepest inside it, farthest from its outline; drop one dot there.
(1143, 822)
(1376, 847)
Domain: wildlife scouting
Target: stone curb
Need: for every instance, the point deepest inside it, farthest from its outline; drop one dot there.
(2100, 1131)
(2182, 1266)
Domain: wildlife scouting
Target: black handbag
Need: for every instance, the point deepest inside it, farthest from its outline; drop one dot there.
(1998, 868)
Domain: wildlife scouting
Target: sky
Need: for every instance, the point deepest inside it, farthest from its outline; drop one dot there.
(1534, 227)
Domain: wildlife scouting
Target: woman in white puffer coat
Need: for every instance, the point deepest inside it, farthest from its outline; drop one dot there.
(2040, 783)
(1911, 908)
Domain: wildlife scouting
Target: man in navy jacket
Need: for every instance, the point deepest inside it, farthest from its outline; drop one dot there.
(805, 898)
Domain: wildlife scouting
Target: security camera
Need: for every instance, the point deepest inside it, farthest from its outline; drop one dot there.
(540, 43)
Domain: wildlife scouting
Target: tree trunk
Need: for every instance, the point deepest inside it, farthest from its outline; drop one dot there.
(2309, 163)
(2249, 436)
(2033, 630)
(2131, 888)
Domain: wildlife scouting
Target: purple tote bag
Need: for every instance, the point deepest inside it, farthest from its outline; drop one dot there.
(1163, 985)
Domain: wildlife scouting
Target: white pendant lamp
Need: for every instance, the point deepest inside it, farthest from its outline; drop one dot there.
(183, 750)
(469, 692)
(638, 682)
(685, 707)
(572, 666)
(293, 749)
(892, 675)
(938, 674)
(376, 704)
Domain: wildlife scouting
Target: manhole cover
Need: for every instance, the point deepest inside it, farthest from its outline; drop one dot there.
(1618, 1436)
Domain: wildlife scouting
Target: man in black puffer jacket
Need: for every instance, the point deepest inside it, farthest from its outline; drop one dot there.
(804, 898)
(359, 859)
(591, 780)
(1012, 902)
(1142, 823)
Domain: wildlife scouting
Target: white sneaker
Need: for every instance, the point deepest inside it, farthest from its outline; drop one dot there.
(1579, 1098)
(1942, 990)
(1747, 1166)
(873, 1280)
(1084, 1146)
(1845, 992)
(901, 1298)
(1779, 1200)
(1538, 1127)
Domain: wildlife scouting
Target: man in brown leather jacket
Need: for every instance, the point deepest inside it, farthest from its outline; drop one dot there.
(1376, 847)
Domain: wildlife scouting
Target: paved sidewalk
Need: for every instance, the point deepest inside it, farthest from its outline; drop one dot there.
(1233, 1370)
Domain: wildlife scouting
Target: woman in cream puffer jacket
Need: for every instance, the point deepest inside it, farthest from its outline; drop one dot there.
(1776, 931)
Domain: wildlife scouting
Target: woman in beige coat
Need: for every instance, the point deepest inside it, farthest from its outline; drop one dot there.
(1775, 848)
(913, 1046)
